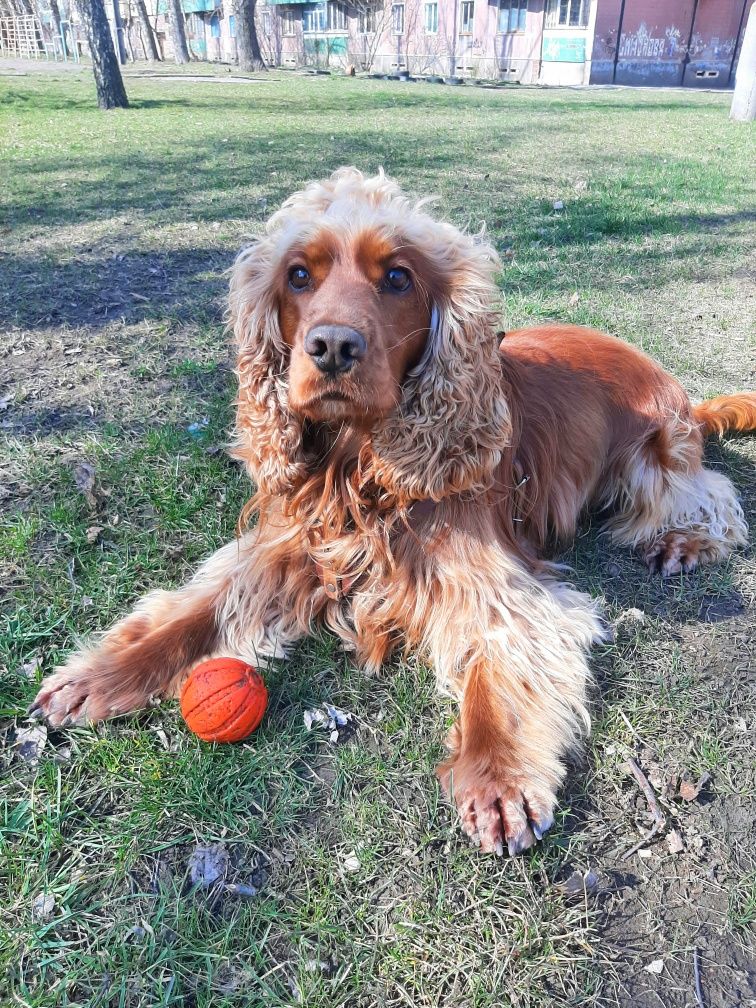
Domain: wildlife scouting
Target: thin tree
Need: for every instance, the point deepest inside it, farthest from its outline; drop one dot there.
(743, 107)
(107, 74)
(178, 32)
(149, 42)
(247, 44)
(371, 13)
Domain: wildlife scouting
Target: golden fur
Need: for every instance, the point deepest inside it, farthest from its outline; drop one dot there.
(410, 499)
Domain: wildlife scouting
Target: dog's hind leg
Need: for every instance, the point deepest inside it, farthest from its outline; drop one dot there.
(669, 506)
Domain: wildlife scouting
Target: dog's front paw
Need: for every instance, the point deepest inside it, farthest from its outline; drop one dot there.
(86, 689)
(497, 810)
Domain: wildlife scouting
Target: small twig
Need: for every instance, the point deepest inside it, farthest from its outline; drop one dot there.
(627, 722)
(660, 820)
(697, 975)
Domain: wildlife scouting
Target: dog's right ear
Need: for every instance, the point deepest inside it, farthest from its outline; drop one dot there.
(267, 435)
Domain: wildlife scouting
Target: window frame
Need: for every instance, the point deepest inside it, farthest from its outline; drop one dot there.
(427, 7)
(367, 21)
(555, 9)
(314, 19)
(289, 21)
(463, 7)
(520, 8)
(336, 17)
(395, 8)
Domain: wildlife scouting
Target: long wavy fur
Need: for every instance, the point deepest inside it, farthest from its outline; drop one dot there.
(452, 424)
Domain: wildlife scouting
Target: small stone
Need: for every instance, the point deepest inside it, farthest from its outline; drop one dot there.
(657, 966)
(558, 204)
(43, 906)
(352, 862)
(30, 742)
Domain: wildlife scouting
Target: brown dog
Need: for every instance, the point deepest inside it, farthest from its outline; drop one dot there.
(410, 474)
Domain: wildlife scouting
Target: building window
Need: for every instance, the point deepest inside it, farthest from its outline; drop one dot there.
(232, 26)
(314, 19)
(512, 15)
(195, 26)
(466, 13)
(397, 18)
(430, 22)
(567, 13)
(324, 17)
(288, 21)
(337, 19)
(215, 29)
(267, 25)
(368, 21)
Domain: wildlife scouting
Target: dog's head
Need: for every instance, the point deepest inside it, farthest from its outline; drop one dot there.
(357, 308)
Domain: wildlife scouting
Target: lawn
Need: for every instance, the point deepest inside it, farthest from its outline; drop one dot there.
(342, 880)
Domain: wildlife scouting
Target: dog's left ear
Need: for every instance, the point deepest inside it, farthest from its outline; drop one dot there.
(453, 422)
(268, 436)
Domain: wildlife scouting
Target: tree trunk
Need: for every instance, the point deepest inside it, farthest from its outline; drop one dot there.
(128, 42)
(247, 44)
(110, 90)
(178, 32)
(146, 32)
(743, 107)
(55, 14)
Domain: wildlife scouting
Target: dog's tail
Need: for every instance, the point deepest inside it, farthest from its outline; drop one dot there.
(727, 413)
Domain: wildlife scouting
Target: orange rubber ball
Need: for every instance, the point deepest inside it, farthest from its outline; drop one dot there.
(223, 700)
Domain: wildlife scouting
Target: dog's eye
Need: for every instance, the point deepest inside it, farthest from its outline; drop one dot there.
(398, 279)
(299, 278)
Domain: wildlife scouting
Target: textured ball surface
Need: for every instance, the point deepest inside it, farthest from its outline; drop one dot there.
(223, 700)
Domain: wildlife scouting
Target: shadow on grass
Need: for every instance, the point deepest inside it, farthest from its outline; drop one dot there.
(93, 289)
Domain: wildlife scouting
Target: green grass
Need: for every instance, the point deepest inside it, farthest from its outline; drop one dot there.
(115, 236)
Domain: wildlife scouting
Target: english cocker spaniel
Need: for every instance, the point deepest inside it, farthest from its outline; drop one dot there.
(412, 468)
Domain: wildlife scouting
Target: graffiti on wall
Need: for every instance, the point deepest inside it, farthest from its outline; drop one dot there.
(643, 44)
(715, 48)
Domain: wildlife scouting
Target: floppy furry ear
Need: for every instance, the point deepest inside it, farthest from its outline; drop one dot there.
(449, 431)
(267, 435)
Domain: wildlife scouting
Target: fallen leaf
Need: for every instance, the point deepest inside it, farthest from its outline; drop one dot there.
(675, 842)
(690, 790)
(30, 668)
(30, 742)
(657, 966)
(43, 906)
(575, 298)
(84, 477)
(93, 533)
(208, 863)
(579, 883)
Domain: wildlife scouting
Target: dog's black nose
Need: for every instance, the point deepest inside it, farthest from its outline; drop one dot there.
(335, 348)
